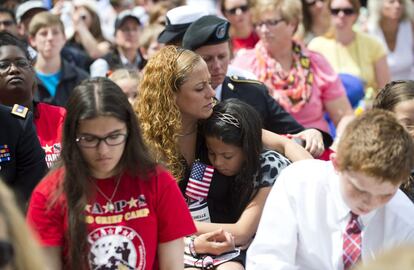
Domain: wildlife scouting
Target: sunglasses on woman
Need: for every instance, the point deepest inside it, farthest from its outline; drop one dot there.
(346, 11)
(233, 11)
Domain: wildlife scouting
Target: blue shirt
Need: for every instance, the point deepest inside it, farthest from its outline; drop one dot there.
(50, 81)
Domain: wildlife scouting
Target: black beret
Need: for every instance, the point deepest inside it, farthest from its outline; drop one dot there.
(207, 30)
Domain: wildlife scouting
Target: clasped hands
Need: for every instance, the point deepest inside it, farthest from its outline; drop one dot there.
(214, 243)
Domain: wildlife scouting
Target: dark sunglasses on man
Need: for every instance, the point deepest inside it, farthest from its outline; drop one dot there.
(233, 11)
(346, 11)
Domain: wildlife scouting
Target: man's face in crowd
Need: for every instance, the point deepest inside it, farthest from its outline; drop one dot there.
(217, 58)
(7, 23)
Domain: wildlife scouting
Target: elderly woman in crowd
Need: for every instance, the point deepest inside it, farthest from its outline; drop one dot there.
(300, 80)
(391, 21)
(352, 52)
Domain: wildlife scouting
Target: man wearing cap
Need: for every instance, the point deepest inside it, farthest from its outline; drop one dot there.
(177, 21)
(7, 21)
(208, 36)
(126, 53)
(24, 14)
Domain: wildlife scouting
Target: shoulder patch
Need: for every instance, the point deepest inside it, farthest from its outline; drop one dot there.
(20, 110)
(243, 80)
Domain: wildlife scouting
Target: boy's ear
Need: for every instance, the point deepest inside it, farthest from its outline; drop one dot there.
(32, 42)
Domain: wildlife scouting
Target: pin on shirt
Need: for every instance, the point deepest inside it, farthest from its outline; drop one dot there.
(20, 110)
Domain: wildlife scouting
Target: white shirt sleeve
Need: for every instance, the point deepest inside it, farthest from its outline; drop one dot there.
(99, 68)
(275, 243)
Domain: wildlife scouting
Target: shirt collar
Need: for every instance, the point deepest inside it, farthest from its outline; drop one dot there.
(343, 212)
(125, 61)
(219, 91)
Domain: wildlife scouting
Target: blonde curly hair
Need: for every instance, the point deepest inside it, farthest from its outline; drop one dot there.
(156, 107)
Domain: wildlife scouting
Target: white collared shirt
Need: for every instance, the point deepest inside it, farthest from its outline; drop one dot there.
(305, 216)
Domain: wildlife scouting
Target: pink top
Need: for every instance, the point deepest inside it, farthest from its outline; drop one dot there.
(326, 87)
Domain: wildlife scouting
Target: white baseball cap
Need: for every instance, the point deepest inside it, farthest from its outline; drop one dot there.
(178, 20)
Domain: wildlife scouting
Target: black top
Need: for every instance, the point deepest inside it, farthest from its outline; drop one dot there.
(26, 164)
(70, 77)
(221, 196)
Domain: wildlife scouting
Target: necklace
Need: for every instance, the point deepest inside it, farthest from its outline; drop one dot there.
(110, 206)
(186, 134)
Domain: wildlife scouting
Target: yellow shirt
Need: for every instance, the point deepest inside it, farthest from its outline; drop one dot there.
(357, 58)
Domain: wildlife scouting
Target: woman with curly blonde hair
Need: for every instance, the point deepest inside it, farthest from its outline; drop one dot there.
(175, 93)
(168, 81)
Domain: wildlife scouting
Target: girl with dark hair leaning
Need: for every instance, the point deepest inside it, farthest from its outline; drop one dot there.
(398, 97)
(243, 175)
(108, 205)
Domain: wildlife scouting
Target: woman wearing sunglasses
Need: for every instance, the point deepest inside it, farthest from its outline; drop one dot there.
(300, 80)
(351, 52)
(242, 33)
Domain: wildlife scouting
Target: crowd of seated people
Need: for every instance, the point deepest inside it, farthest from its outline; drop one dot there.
(150, 134)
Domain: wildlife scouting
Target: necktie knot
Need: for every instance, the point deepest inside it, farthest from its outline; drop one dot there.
(353, 226)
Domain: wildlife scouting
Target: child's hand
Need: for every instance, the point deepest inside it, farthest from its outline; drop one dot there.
(215, 243)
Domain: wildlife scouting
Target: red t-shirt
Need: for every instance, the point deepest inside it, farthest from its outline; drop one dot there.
(244, 43)
(49, 121)
(146, 213)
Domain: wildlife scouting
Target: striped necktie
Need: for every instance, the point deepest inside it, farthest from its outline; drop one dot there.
(351, 243)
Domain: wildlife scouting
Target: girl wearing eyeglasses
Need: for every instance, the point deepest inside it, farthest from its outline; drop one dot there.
(108, 205)
(352, 52)
(300, 80)
(242, 33)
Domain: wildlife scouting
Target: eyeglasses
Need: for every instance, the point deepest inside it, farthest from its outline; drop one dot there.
(313, 2)
(7, 23)
(5, 65)
(268, 23)
(6, 253)
(91, 141)
(346, 11)
(233, 11)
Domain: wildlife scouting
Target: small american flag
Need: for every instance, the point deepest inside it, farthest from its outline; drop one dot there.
(199, 181)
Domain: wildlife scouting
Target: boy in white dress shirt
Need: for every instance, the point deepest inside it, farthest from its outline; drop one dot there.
(332, 214)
